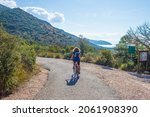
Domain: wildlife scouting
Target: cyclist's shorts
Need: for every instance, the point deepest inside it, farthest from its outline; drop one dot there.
(76, 61)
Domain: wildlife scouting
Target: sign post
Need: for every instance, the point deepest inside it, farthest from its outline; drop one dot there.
(143, 57)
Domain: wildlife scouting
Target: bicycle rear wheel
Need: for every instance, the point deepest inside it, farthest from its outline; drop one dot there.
(75, 70)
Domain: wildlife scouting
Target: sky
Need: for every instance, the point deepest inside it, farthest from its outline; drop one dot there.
(105, 20)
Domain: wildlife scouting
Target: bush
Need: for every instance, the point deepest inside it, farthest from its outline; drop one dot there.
(105, 58)
(18, 76)
(116, 63)
(101, 61)
(9, 60)
(50, 55)
(17, 59)
(129, 66)
(28, 57)
(124, 66)
(67, 56)
(57, 55)
(42, 54)
(89, 57)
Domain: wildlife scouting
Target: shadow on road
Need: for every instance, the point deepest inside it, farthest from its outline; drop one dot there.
(106, 67)
(72, 81)
(141, 77)
(144, 76)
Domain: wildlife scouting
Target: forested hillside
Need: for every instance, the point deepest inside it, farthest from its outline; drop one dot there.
(18, 22)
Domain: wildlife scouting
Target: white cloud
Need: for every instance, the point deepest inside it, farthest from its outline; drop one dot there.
(9, 3)
(53, 17)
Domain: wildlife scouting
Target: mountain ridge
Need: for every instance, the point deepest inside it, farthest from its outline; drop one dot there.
(18, 22)
(99, 42)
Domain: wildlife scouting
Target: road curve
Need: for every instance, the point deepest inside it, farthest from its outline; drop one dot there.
(88, 87)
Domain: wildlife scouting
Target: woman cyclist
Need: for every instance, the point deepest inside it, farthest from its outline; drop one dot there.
(76, 57)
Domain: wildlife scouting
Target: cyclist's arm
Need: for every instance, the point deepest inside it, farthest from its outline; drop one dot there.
(71, 56)
(79, 55)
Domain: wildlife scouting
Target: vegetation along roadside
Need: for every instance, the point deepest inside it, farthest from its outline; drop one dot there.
(17, 62)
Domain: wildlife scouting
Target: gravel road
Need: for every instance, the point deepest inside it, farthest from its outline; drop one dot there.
(88, 87)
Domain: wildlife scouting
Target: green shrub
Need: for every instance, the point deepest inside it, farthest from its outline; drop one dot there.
(101, 61)
(105, 58)
(17, 59)
(57, 55)
(50, 55)
(89, 57)
(18, 76)
(9, 60)
(116, 63)
(28, 57)
(67, 56)
(129, 66)
(42, 54)
(124, 66)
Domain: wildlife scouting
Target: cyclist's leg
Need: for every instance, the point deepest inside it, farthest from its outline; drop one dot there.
(79, 66)
(73, 64)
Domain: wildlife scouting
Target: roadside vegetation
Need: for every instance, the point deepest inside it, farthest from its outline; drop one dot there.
(17, 61)
(141, 38)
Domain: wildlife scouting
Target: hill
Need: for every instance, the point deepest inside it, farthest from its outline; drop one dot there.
(3, 8)
(100, 42)
(18, 22)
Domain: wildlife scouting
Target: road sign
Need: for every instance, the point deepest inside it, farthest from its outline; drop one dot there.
(131, 48)
(143, 55)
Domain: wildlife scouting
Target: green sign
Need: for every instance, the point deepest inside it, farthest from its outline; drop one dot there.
(131, 49)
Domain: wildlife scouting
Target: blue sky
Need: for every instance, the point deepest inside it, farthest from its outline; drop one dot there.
(95, 19)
